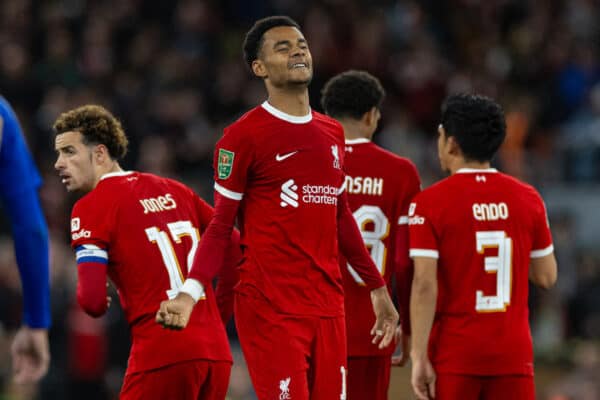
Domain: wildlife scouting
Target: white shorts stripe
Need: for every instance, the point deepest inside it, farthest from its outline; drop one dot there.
(542, 252)
(228, 193)
(424, 253)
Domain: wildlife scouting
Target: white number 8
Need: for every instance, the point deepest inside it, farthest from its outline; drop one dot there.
(373, 239)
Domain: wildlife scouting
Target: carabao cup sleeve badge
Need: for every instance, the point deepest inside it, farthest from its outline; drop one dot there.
(225, 163)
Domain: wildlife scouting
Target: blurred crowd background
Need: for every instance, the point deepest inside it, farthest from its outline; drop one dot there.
(173, 73)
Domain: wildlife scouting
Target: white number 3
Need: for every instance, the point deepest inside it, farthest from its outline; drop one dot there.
(501, 265)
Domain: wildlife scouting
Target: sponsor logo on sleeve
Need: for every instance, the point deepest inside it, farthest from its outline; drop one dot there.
(75, 223)
(411, 209)
(225, 163)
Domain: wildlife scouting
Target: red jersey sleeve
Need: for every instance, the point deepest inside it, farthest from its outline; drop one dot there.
(423, 238)
(90, 236)
(233, 157)
(542, 238)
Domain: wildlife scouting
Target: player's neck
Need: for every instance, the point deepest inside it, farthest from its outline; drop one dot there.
(294, 103)
(460, 164)
(353, 129)
(102, 170)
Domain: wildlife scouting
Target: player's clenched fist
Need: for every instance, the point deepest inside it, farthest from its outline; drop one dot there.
(175, 313)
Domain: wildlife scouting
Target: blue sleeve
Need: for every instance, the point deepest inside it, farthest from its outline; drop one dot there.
(19, 181)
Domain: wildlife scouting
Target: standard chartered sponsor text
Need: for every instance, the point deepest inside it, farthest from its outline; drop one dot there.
(319, 194)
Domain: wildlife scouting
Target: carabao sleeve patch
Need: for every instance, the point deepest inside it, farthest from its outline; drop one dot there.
(225, 163)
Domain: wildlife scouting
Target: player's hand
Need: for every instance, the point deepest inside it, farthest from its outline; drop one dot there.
(423, 379)
(30, 355)
(403, 342)
(175, 313)
(386, 317)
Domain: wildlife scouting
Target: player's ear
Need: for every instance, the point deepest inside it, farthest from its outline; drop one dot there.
(101, 153)
(453, 146)
(371, 117)
(258, 67)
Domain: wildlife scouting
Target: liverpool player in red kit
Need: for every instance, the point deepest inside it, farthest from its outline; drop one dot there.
(279, 168)
(476, 238)
(143, 231)
(380, 186)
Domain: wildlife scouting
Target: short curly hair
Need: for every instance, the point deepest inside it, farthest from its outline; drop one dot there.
(351, 94)
(254, 38)
(97, 125)
(476, 122)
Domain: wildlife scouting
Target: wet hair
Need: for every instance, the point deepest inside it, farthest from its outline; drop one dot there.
(351, 94)
(254, 38)
(476, 122)
(97, 125)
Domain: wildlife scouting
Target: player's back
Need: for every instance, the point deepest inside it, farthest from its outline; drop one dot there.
(380, 186)
(151, 227)
(488, 226)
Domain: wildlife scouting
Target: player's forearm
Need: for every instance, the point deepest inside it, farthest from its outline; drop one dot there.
(423, 301)
(215, 241)
(353, 248)
(30, 235)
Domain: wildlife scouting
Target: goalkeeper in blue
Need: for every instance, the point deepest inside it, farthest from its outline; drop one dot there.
(19, 182)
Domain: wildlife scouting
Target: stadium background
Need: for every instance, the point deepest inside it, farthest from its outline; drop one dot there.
(172, 71)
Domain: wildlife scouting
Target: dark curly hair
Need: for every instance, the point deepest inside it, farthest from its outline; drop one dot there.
(254, 38)
(351, 94)
(476, 122)
(97, 125)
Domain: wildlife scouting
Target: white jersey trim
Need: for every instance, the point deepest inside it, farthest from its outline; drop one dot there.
(542, 252)
(113, 174)
(194, 289)
(285, 116)
(476, 170)
(424, 253)
(228, 193)
(357, 141)
(403, 220)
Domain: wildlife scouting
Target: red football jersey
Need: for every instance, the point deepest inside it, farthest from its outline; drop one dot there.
(380, 186)
(287, 173)
(150, 227)
(484, 227)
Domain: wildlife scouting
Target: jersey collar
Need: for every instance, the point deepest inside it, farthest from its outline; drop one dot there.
(476, 170)
(112, 174)
(287, 117)
(357, 141)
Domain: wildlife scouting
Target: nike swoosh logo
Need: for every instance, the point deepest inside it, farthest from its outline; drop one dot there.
(283, 157)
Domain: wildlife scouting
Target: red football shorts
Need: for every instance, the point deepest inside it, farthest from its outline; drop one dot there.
(471, 387)
(291, 357)
(188, 380)
(369, 377)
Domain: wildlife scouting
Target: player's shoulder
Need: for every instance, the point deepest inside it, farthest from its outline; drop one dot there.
(517, 187)
(398, 162)
(328, 124)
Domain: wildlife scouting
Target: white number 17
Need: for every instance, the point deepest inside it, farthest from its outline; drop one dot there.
(178, 230)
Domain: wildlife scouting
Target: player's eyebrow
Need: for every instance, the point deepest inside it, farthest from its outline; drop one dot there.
(282, 43)
(286, 42)
(65, 148)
